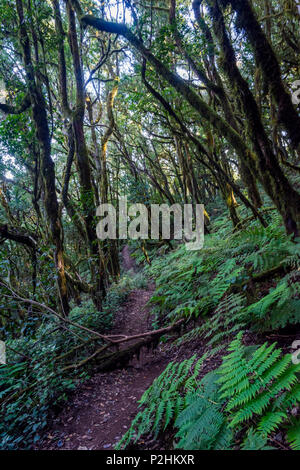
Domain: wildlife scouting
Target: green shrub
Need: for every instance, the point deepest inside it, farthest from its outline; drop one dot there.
(29, 388)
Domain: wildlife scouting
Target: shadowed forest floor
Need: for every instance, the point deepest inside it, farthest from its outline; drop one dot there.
(101, 410)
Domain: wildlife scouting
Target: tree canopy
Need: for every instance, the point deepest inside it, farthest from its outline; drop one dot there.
(177, 102)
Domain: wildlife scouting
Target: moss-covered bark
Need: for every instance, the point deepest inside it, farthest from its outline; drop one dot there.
(267, 61)
(265, 162)
(83, 164)
(39, 114)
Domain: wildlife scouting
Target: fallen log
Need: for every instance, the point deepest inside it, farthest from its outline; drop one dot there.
(121, 357)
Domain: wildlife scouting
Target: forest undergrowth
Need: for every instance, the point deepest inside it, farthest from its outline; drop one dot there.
(40, 372)
(239, 297)
(239, 301)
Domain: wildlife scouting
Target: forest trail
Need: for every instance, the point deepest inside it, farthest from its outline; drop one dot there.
(101, 410)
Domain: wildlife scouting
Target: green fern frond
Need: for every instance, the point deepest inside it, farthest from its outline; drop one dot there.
(293, 436)
(255, 441)
(270, 422)
(264, 386)
(163, 401)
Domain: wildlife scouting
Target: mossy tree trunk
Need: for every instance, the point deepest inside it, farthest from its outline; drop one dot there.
(82, 155)
(39, 114)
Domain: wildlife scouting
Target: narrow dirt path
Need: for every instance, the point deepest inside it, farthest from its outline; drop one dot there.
(102, 409)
